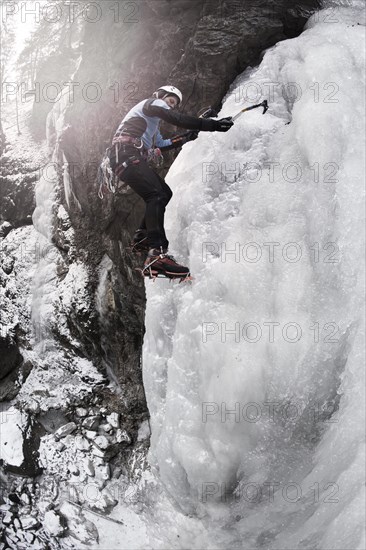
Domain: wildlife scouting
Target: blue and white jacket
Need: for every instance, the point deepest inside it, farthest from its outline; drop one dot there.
(143, 121)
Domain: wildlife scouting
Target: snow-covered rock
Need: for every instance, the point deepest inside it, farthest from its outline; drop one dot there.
(79, 527)
(29, 522)
(89, 467)
(82, 443)
(7, 519)
(102, 441)
(12, 425)
(122, 436)
(52, 523)
(113, 420)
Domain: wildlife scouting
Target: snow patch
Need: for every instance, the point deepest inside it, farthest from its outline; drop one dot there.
(12, 426)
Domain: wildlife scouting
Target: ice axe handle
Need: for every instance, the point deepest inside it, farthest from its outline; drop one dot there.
(264, 104)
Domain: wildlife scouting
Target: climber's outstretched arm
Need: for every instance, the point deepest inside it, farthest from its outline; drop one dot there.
(187, 121)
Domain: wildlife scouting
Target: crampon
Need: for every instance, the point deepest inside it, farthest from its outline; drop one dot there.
(163, 266)
(151, 274)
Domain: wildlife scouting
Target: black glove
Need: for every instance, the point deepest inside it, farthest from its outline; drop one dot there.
(222, 125)
(191, 136)
(178, 141)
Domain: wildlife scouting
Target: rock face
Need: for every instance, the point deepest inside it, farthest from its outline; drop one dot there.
(12, 357)
(16, 192)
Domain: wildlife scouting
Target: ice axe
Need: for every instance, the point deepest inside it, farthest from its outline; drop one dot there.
(264, 104)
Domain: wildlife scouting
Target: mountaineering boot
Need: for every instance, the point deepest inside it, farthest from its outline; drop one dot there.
(159, 263)
(140, 241)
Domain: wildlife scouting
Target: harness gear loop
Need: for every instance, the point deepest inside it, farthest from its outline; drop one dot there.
(107, 179)
(155, 157)
(125, 138)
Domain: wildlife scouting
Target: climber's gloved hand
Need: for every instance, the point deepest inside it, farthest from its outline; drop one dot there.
(192, 135)
(222, 125)
(178, 141)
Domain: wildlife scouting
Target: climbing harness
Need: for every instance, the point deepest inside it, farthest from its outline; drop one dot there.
(108, 181)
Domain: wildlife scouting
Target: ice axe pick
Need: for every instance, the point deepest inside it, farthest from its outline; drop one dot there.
(264, 104)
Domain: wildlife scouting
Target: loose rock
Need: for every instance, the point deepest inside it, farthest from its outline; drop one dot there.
(113, 419)
(7, 519)
(65, 430)
(89, 467)
(122, 437)
(102, 442)
(90, 435)
(29, 522)
(106, 428)
(81, 443)
(81, 412)
(91, 423)
(103, 472)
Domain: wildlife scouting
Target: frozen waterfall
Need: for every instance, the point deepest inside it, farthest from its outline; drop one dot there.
(254, 373)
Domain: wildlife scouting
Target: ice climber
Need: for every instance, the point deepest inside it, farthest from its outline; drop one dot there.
(135, 148)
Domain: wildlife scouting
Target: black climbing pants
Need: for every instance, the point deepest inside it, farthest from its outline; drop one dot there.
(150, 187)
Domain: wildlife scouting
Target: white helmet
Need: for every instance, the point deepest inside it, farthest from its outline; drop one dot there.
(171, 90)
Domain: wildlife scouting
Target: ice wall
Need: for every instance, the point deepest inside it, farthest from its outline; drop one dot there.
(254, 373)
